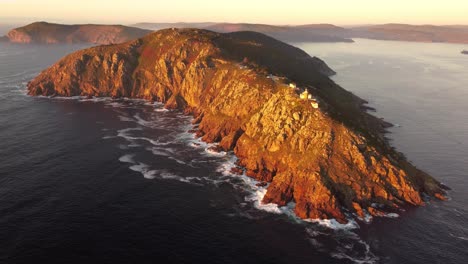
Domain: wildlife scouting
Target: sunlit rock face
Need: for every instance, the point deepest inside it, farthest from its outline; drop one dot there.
(325, 154)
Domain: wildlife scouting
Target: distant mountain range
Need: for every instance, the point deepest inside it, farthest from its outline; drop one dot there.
(305, 33)
(43, 32)
(332, 33)
(424, 33)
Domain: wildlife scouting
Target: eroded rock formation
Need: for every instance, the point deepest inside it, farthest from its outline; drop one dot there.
(331, 160)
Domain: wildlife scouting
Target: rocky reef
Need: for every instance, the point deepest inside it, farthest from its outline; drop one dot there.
(48, 33)
(326, 154)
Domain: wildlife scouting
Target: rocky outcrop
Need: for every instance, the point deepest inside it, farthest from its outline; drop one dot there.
(47, 33)
(331, 161)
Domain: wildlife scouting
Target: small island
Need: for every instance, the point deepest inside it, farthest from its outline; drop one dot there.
(49, 33)
(292, 128)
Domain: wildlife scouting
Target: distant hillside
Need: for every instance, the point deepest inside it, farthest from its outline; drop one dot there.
(43, 32)
(306, 33)
(158, 26)
(423, 33)
(332, 33)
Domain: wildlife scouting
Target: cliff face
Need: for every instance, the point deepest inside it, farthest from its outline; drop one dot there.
(42, 32)
(330, 160)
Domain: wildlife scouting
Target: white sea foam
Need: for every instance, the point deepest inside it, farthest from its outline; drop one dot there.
(143, 122)
(122, 146)
(392, 215)
(128, 158)
(125, 119)
(257, 192)
(194, 145)
(161, 110)
(333, 224)
(346, 245)
(143, 169)
(149, 174)
(159, 152)
(458, 237)
(211, 152)
(116, 105)
(125, 130)
(371, 259)
(178, 161)
(172, 176)
(95, 99)
(367, 217)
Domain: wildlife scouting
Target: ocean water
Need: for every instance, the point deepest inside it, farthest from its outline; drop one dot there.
(122, 181)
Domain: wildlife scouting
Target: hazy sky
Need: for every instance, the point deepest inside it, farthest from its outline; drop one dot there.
(341, 12)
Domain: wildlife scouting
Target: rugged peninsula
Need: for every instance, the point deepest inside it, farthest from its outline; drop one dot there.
(48, 33)
(321, 151)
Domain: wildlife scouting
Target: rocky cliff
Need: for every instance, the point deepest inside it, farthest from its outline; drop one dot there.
(42, 32)
(330, 158)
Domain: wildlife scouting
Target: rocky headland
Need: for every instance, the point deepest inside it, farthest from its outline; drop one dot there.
(48, 33)
(322, 151)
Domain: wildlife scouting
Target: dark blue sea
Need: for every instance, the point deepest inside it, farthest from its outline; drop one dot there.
(122, 181)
